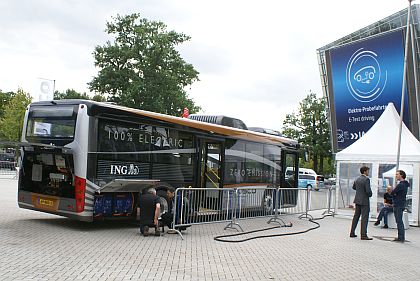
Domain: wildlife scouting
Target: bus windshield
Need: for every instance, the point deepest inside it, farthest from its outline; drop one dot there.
(48, 123)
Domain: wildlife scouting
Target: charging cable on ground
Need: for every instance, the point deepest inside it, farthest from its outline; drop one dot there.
(222, 238)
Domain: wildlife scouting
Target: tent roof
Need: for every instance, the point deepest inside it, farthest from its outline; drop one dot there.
(380, 143)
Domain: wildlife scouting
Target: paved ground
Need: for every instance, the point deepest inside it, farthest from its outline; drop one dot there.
(37, 246)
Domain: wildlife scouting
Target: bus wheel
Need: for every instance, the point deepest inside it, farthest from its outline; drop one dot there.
(163, 197)
(164, 206)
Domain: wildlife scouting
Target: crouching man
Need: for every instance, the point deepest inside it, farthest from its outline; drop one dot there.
(149, 209)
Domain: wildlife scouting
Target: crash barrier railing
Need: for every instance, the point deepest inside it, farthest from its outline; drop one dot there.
(8, 168)
(208, 205)
(202, 205)
(330, 200)
(321, 199)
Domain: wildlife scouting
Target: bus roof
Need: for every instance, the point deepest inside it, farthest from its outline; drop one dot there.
(103, 107)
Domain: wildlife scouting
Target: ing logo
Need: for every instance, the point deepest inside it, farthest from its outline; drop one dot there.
(125, 169)
(364, 77)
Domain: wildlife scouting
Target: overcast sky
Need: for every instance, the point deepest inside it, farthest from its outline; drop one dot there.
(257, 59)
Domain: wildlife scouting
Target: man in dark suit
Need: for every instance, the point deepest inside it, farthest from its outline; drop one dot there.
(399, 201)
(363, 193)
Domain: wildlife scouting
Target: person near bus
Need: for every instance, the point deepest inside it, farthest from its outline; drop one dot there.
(149, 208)
(167, 217)
(399, 194)
(388, 208)
(363, 193)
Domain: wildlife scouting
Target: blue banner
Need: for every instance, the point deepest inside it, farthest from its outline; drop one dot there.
(366, 76)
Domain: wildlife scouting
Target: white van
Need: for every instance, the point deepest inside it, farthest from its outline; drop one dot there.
(302, 171)
(307, 178)
(306, 171)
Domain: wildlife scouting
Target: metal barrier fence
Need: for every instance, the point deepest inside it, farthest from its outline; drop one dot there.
(208, 205)
(8, 168)
(318, 200)
(203, 205)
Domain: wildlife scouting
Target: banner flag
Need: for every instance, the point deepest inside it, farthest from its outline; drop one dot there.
(46, 89)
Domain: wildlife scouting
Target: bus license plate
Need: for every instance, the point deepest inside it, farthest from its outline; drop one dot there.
(46, 202)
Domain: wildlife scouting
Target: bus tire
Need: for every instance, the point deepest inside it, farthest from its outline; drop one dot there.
(163, 198)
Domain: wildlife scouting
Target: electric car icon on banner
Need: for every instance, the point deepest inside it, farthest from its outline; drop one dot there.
(365, 78)
(365, 75)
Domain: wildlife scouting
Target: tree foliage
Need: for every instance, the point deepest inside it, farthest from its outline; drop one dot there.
(141, 68)
(72, 94)
(4, 100)
(14, 111)
(310, 127)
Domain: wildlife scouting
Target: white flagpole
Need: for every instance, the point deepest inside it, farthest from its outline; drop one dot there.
(407, 37)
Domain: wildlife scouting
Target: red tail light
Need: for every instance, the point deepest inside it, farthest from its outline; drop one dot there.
(80, 190)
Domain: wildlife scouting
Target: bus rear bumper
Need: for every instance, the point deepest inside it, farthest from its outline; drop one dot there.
(53, 205)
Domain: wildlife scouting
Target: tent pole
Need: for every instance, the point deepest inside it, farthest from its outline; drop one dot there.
(407, 37)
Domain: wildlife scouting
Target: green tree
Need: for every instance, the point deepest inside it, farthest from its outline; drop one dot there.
(72, 94)
(310, 127)
(98, 97)
(141, 67)
(12, 121)
(4, 100)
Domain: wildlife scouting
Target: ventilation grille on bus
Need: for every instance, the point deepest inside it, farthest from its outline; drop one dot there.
(204, 118)
(219, 120)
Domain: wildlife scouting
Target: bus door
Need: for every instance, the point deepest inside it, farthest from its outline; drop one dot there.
(210, 172)
(290, 160)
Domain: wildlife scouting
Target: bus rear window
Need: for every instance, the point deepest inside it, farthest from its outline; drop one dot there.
(51, 123)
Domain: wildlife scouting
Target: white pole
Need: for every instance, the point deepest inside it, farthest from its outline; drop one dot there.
(53, 89)
(407, 36)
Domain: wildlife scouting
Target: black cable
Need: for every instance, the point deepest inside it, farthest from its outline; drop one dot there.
(327, 215)
(220, 237)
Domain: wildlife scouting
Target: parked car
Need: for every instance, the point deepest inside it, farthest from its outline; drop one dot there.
(7, 161)
(311, 181)
(330, 182)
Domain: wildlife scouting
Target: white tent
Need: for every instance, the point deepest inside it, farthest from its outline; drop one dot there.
(380, 143)
(379, 146)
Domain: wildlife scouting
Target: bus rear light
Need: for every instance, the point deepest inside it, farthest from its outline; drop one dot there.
(80, 189)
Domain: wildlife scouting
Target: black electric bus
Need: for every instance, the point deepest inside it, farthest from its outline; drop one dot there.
(89, 160)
